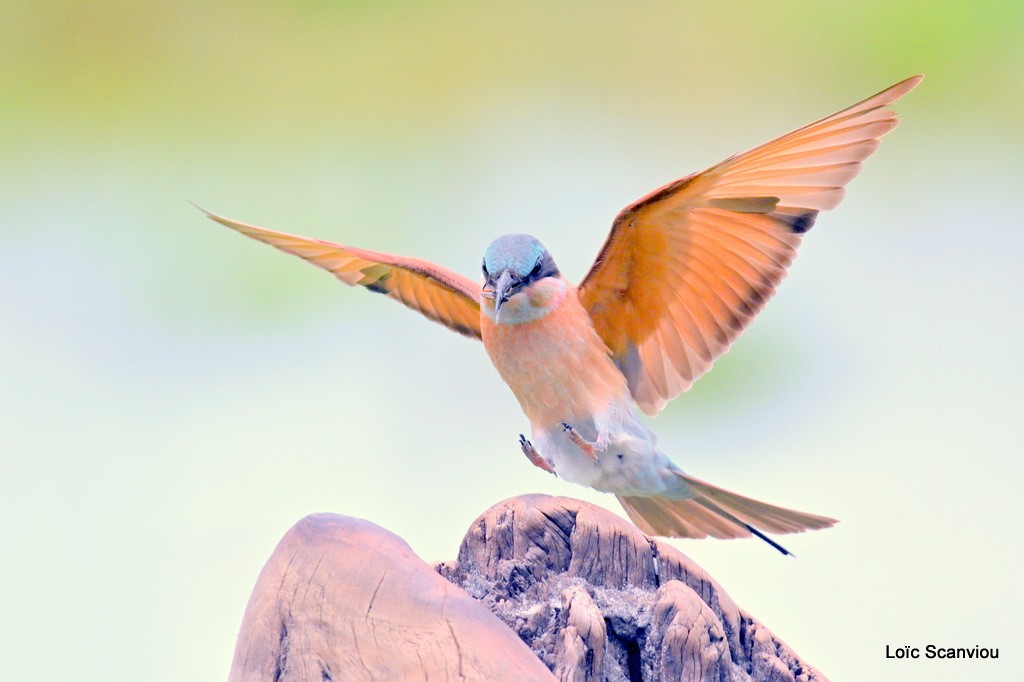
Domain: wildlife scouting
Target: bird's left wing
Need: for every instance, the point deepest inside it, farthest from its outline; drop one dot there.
(439, 294)
(687, 267)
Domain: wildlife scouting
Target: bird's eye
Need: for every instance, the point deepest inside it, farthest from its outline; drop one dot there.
(536, 269)
(484, 268)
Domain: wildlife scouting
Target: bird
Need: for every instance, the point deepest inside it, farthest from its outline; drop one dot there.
(681, 274)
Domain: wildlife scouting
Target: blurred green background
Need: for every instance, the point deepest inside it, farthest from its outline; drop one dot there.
(173, 397)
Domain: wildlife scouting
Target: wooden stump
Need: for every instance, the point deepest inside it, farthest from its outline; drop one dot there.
(541, 585)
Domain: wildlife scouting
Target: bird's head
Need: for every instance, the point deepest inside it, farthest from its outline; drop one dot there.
(515, 265)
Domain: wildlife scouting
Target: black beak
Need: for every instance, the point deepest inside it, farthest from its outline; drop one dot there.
(501, 292)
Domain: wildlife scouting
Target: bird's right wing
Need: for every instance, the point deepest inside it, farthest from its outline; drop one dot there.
(439, 294)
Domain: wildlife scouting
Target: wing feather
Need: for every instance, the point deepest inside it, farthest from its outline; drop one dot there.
(439, 294)
(687, 267)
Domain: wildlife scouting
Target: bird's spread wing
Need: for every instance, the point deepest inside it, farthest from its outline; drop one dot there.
(439, 294)
(687, 267)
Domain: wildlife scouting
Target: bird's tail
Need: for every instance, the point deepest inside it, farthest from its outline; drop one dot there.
(718, 513)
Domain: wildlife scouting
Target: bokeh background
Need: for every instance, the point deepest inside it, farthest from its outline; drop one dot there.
(173, 397)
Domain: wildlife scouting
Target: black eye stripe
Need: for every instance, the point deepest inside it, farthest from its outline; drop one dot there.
(544, 267)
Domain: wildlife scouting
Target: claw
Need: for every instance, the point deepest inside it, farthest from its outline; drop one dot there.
(534, 456)
(582, 443)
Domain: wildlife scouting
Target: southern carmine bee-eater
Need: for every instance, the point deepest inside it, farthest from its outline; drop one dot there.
(682, 273)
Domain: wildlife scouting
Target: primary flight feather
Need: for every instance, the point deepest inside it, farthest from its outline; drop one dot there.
(682, 273)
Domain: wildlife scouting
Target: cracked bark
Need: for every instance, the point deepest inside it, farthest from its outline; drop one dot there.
(664, 618)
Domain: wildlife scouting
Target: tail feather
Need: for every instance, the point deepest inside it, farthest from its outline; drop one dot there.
(766, 516)
(678, 518)
(718, 513)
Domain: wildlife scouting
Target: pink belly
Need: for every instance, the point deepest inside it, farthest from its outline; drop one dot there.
(557, 366)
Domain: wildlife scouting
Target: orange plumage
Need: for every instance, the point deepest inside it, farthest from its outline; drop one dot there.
(682, 273)
(566, 371)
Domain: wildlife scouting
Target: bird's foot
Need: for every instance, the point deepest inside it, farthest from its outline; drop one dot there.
(534, 456)
(588, 448)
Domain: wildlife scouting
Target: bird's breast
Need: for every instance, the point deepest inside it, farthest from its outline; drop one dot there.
(556, 364)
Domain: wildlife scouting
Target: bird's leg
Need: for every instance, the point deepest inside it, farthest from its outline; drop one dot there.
(582, 443)
(534, 456)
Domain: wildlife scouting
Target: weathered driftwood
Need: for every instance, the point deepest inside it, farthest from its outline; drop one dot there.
(343, 599)
(596, 599)
(599, 600)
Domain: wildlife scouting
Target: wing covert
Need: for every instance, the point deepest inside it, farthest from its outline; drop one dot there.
(686, 268)
(439, 294)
